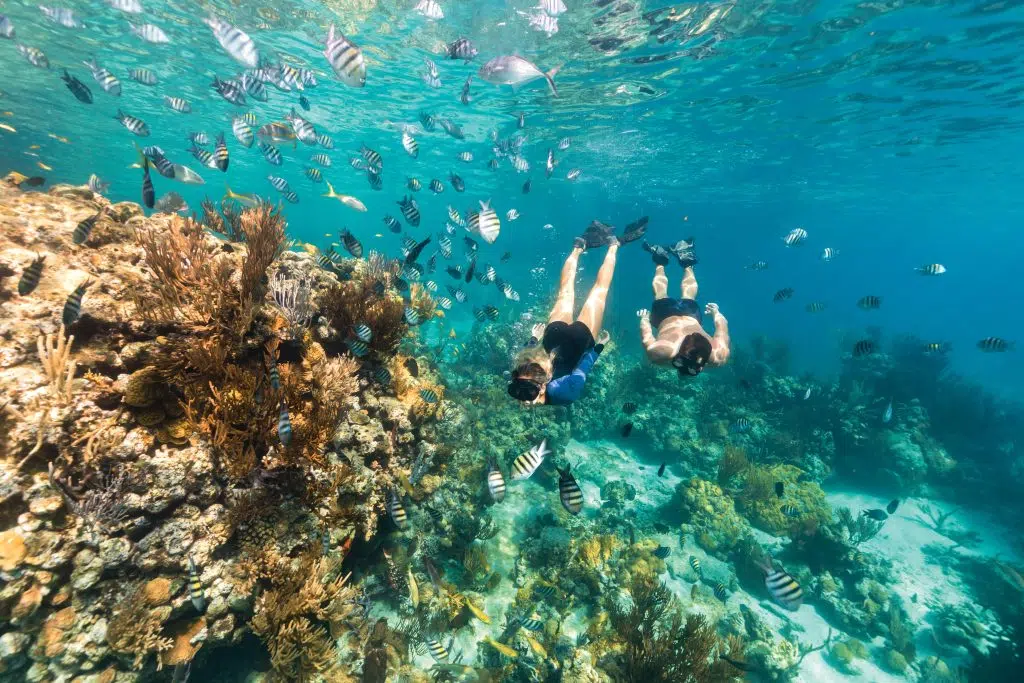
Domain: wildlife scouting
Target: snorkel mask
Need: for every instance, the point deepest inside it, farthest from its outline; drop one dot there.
(693, 356)
(523, 387)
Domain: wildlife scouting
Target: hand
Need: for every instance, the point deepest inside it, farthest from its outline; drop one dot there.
(643, 314)
(711, 309)
(538, 330)
(603, 337)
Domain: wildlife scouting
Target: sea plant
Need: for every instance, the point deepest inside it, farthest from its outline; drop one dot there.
(660, 644)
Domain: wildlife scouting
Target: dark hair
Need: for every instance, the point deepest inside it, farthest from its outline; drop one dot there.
(694, 353)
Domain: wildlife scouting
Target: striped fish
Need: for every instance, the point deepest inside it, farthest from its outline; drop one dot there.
(254, 88)
(127, 6)
(321, 159)
(436, 186)
(148, 193)
(315, 175)
(427, 121)
(137, 126)
(552, 7)
(412, 318)
(460, 296)
(279, 184)
(430, 9)
(783, 588)
(869, 302)
(243, 131)
(573, 175)
(163, 165)
(220, 153)
(444, 302)
(82, 230)
(533, 622)
(437, 651)
(284, 425)
(461, 48)
(143, 76)
(274, 375)
(485, 223)
(569, 491)
(828, 253)
(229, 90)
(428, 395)
(564, 143)
(373, 177)
(795, 237)
(527, 463)
(199, 138)
(409, 144)
(35, 56)
(30, 276)
(291, 197)
(205, 157)
(357, 347)
(195, 586)
(520, 164)
(465, 156)
(107, 80)
(308, 78)
(325, 141)
(932, 269)
(454, 217)
(397, 511)
(995, 344)
(304, 130)
(345, 58)
(351, 243)
(73, 304)
(410, 210)
(392, 223)
(695, 564)
(150, 33)
(235, 42)
(271, 153)
(495, 481)
(178, 104)
(444, 243)
(783, 294)
(816, 307)
(372, 157)
(720, 592)
(363, 332)
(291, 76)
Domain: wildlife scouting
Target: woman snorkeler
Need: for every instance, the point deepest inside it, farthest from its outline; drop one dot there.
(554, 371)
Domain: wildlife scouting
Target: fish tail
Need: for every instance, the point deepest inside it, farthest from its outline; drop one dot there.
(227, 192)
(330, 190)
(550, 78)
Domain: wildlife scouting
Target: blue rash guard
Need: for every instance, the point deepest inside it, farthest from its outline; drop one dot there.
(561, 391)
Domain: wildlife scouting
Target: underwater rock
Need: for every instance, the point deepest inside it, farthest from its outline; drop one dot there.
(711, 516)
(12, 549)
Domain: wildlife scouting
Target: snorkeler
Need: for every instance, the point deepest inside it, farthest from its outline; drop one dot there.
(554, 371)
(681, 340)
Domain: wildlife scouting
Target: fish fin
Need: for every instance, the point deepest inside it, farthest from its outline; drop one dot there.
(330, 190)
(550, 77)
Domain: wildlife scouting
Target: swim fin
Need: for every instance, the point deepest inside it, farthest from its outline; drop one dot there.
(684, 252)
(634, 230)
(597, 234)
(659, 254)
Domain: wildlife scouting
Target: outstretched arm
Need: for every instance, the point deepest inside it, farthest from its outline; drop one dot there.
(720, 342)
(658, 351)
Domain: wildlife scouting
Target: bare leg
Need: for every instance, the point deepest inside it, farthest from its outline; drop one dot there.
(566, 290)
(593, 309)
(689, 284)
(660, 283)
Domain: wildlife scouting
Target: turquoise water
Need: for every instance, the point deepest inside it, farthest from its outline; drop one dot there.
(888, 130)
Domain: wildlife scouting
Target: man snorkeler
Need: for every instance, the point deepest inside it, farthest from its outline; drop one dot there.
(681, 340)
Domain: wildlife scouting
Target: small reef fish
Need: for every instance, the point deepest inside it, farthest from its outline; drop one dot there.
(869, 302)
(438, 651)
(537, 648)
(876, 514)
(815, 307)
(516, 71)
(284, 425)
(526, 464)
(477, 612)
(780, 489)
(148, 193)
(891, 507)
(397, 511)
(758, 265)
(501, 647)
(569, 491)
(783, 588)
(695, 564)
(195, 586)
(97, 185)
(720, 592)
(863, 347)
(345, 58)
(30, 276)
(485, 223)
(351, 244)
(740, 426)
(807, 394)
(661, 552)
(828, 253)
(241, 197)
(887, 415)
(931, 269)
(84, 227)
(414, 589)
(795, 237)
(495, 481)
(135, 125)
(995, 345)
(235, 42)
(78, 89)
(532, 623)
(627, 429)
(661, 470)
(783, 294)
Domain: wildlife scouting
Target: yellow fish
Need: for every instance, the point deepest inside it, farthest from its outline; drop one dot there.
(8, 128)
(451, 333)
(536, 646)
(414, 590)
(60, 138)
(248, 199)
(346, 199)
(501, 647)
(477, 612)
(33, 147)
(43, 166)
(8, 113)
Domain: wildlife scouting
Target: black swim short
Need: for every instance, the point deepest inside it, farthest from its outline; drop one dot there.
(668, 307)
(569, 343)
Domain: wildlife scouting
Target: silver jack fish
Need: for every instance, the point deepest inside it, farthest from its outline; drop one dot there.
(515, 71)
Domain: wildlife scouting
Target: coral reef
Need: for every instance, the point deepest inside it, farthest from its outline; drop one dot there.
(199, 410)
